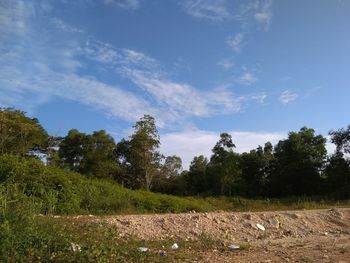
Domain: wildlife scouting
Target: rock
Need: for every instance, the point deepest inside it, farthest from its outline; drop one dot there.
(234, 247)
(248, 216)
(295, 216)
(174, 246)
(142, 249)
(261, 227)
(162, 253)
(274, 222)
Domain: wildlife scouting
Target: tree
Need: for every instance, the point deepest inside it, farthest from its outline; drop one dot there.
(166, 179)
(93, 155)
(300, 159)
(223, 170)
(144, 155)
(20, 134)
(338, 167)
(255, 167)
(341, 138)
(197, 177)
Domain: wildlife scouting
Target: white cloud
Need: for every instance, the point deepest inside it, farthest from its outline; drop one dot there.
(236, 42)
(263, 13)
(226, 63)
(127, 4)
(288, 96)
(60, 24)
(248, 78)
(216, 11)
(188, 144)
(14, 15)
(181, 99)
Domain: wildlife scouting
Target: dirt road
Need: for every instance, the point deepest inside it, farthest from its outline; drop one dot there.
(283, 236)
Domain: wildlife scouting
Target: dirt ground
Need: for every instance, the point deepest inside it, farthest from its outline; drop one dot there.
(289, 236)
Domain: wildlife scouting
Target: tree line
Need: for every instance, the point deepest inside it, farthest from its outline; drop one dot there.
(296, 166)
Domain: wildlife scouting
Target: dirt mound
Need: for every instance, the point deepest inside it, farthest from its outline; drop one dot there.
(283, 236)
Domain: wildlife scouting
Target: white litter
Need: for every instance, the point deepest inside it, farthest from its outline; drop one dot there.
(75, 247)
(261, 227)
(142, 249)
(234, 247)
(174, 246)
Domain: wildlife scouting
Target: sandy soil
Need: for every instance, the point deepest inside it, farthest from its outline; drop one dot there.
(289, 236)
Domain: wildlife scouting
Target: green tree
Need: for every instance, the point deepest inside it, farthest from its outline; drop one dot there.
(20, 134)
(144, 155)
(338, 167)
(223, 170)
(341, 138)
(166, 180)
(92, 155)
(255, 167)
(300, 159)
(197, 175)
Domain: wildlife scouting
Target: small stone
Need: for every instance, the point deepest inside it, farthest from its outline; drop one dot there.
(162, 253)
(248, 216)
(274, 222)
(295, 216)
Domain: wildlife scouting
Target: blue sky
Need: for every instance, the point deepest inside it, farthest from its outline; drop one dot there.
(254, 68)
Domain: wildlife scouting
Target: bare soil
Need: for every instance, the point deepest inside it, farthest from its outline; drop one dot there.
(289, 236)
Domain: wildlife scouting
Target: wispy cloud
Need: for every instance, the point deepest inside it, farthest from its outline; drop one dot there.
(247, 78)
(216, 11)
(127, 4)
(52, 66)
(60, 24)
(226, 63)
(263, 13)
(288, 96)
(236, 42)
(14, 16)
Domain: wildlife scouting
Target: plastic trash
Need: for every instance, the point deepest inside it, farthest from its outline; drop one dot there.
(162, 253)
(261, 227)
(142, 249)
(234, 247)
(75, 247)
(174, 246)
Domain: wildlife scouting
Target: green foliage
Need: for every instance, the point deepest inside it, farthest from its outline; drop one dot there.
(256, 167)
(300, 159)
(20, 134)
(62, 192)
(93, 155)
(21, 237)
(341, 138)
(223, 170)
(144, 157)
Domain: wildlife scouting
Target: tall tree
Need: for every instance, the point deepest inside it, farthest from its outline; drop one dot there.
(300, 159)
(197, 176)
(341, 138)
(144, 155)
(223, 169)
(255, 167)
(20, 134)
